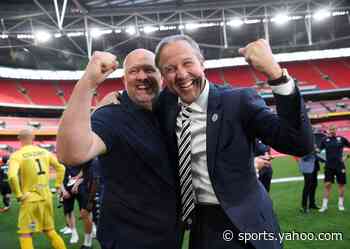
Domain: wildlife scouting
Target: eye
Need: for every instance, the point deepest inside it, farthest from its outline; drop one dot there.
(132, 71)
(188, 63)
(169, 70)
(150, 70)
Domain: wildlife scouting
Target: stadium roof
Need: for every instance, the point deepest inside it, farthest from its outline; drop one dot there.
(61, 34)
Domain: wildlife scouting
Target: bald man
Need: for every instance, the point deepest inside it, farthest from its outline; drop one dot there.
(29, 175)
(139, 202)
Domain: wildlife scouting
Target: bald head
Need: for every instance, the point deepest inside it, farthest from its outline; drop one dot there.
(138, 56)
(333, 130)
(26, 136)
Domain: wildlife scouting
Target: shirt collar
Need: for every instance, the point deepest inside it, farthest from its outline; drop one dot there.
(201, 103)
(131, 104)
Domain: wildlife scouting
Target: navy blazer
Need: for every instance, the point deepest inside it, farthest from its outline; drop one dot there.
(242, 116)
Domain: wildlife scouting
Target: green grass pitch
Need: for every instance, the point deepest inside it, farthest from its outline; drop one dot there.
(286, 199)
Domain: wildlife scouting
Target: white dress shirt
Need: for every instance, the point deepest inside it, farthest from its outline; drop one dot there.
(200, 175)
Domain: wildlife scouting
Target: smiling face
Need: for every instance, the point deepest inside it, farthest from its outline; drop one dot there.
(182, 70)
(332, 131)
(141, 77)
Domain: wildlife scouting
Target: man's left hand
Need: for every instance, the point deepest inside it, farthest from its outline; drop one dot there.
(75, 188)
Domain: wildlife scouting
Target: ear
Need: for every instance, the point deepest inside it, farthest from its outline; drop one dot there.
(201, 60)
(161, 82)
(202, 66)
(124, 80)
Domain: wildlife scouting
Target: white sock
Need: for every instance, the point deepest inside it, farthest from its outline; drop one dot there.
(341, 201)
(325, 202)
(88, 239)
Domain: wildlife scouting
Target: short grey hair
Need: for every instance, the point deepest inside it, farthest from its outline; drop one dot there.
(174, 38)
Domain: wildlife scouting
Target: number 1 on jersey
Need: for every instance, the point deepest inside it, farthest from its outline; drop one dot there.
(40, 172)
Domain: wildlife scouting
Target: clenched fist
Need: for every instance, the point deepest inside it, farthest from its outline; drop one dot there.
(100, 66)
(259, 55)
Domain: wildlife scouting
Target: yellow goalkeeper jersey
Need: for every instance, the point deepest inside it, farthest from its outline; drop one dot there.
(29, 172)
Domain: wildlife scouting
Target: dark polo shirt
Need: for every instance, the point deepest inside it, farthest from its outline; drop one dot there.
(139, 202)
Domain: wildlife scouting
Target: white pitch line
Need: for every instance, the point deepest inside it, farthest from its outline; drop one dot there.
(292, 179)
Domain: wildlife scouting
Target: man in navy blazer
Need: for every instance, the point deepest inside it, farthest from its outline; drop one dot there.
(139, 205)
(232, 210)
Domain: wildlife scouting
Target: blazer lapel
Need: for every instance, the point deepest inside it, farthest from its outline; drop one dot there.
(173, 110)
(167, 114)
(214, 119)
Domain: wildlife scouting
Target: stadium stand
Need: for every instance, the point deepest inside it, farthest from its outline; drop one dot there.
(307, 73)
(42, 92)
(336, 70)
(322, 74)
(67, 88)
(13, 124)
(215, 75)
(109, 86)
(241, 76)
(10, 93)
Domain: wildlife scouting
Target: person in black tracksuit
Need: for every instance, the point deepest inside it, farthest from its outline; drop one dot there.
(334, 166)
(95, 189)
(4, 185)
(76, 185)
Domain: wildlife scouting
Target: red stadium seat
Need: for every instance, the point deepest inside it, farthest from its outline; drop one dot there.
(336, 69)
(241, 76)
(10, 94)
(42, 92)
(310, 75)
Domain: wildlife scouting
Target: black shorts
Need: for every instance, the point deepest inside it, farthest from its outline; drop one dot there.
(5, 188)
(340, 174)
(81, 197)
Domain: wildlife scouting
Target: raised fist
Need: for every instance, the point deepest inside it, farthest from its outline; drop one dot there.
(259, 55)
(100, 66)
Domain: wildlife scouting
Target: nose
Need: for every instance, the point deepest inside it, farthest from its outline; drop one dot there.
(141, 75)
(181, 73)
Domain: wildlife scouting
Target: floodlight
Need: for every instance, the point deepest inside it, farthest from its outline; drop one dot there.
(235, 23)
(150, 29)
(95, 33)
(281, 18)
(42, 36)
(130, 30)
(192, 26)
(252, 21)
(321, 14)
(75, 34)
(172, 27)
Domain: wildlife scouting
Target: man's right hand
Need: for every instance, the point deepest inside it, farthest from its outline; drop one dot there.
(65, 194)
(100, 66)
(23, 197)
(262, 162)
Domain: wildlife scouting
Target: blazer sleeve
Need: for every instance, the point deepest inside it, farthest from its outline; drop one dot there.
(289, 131)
